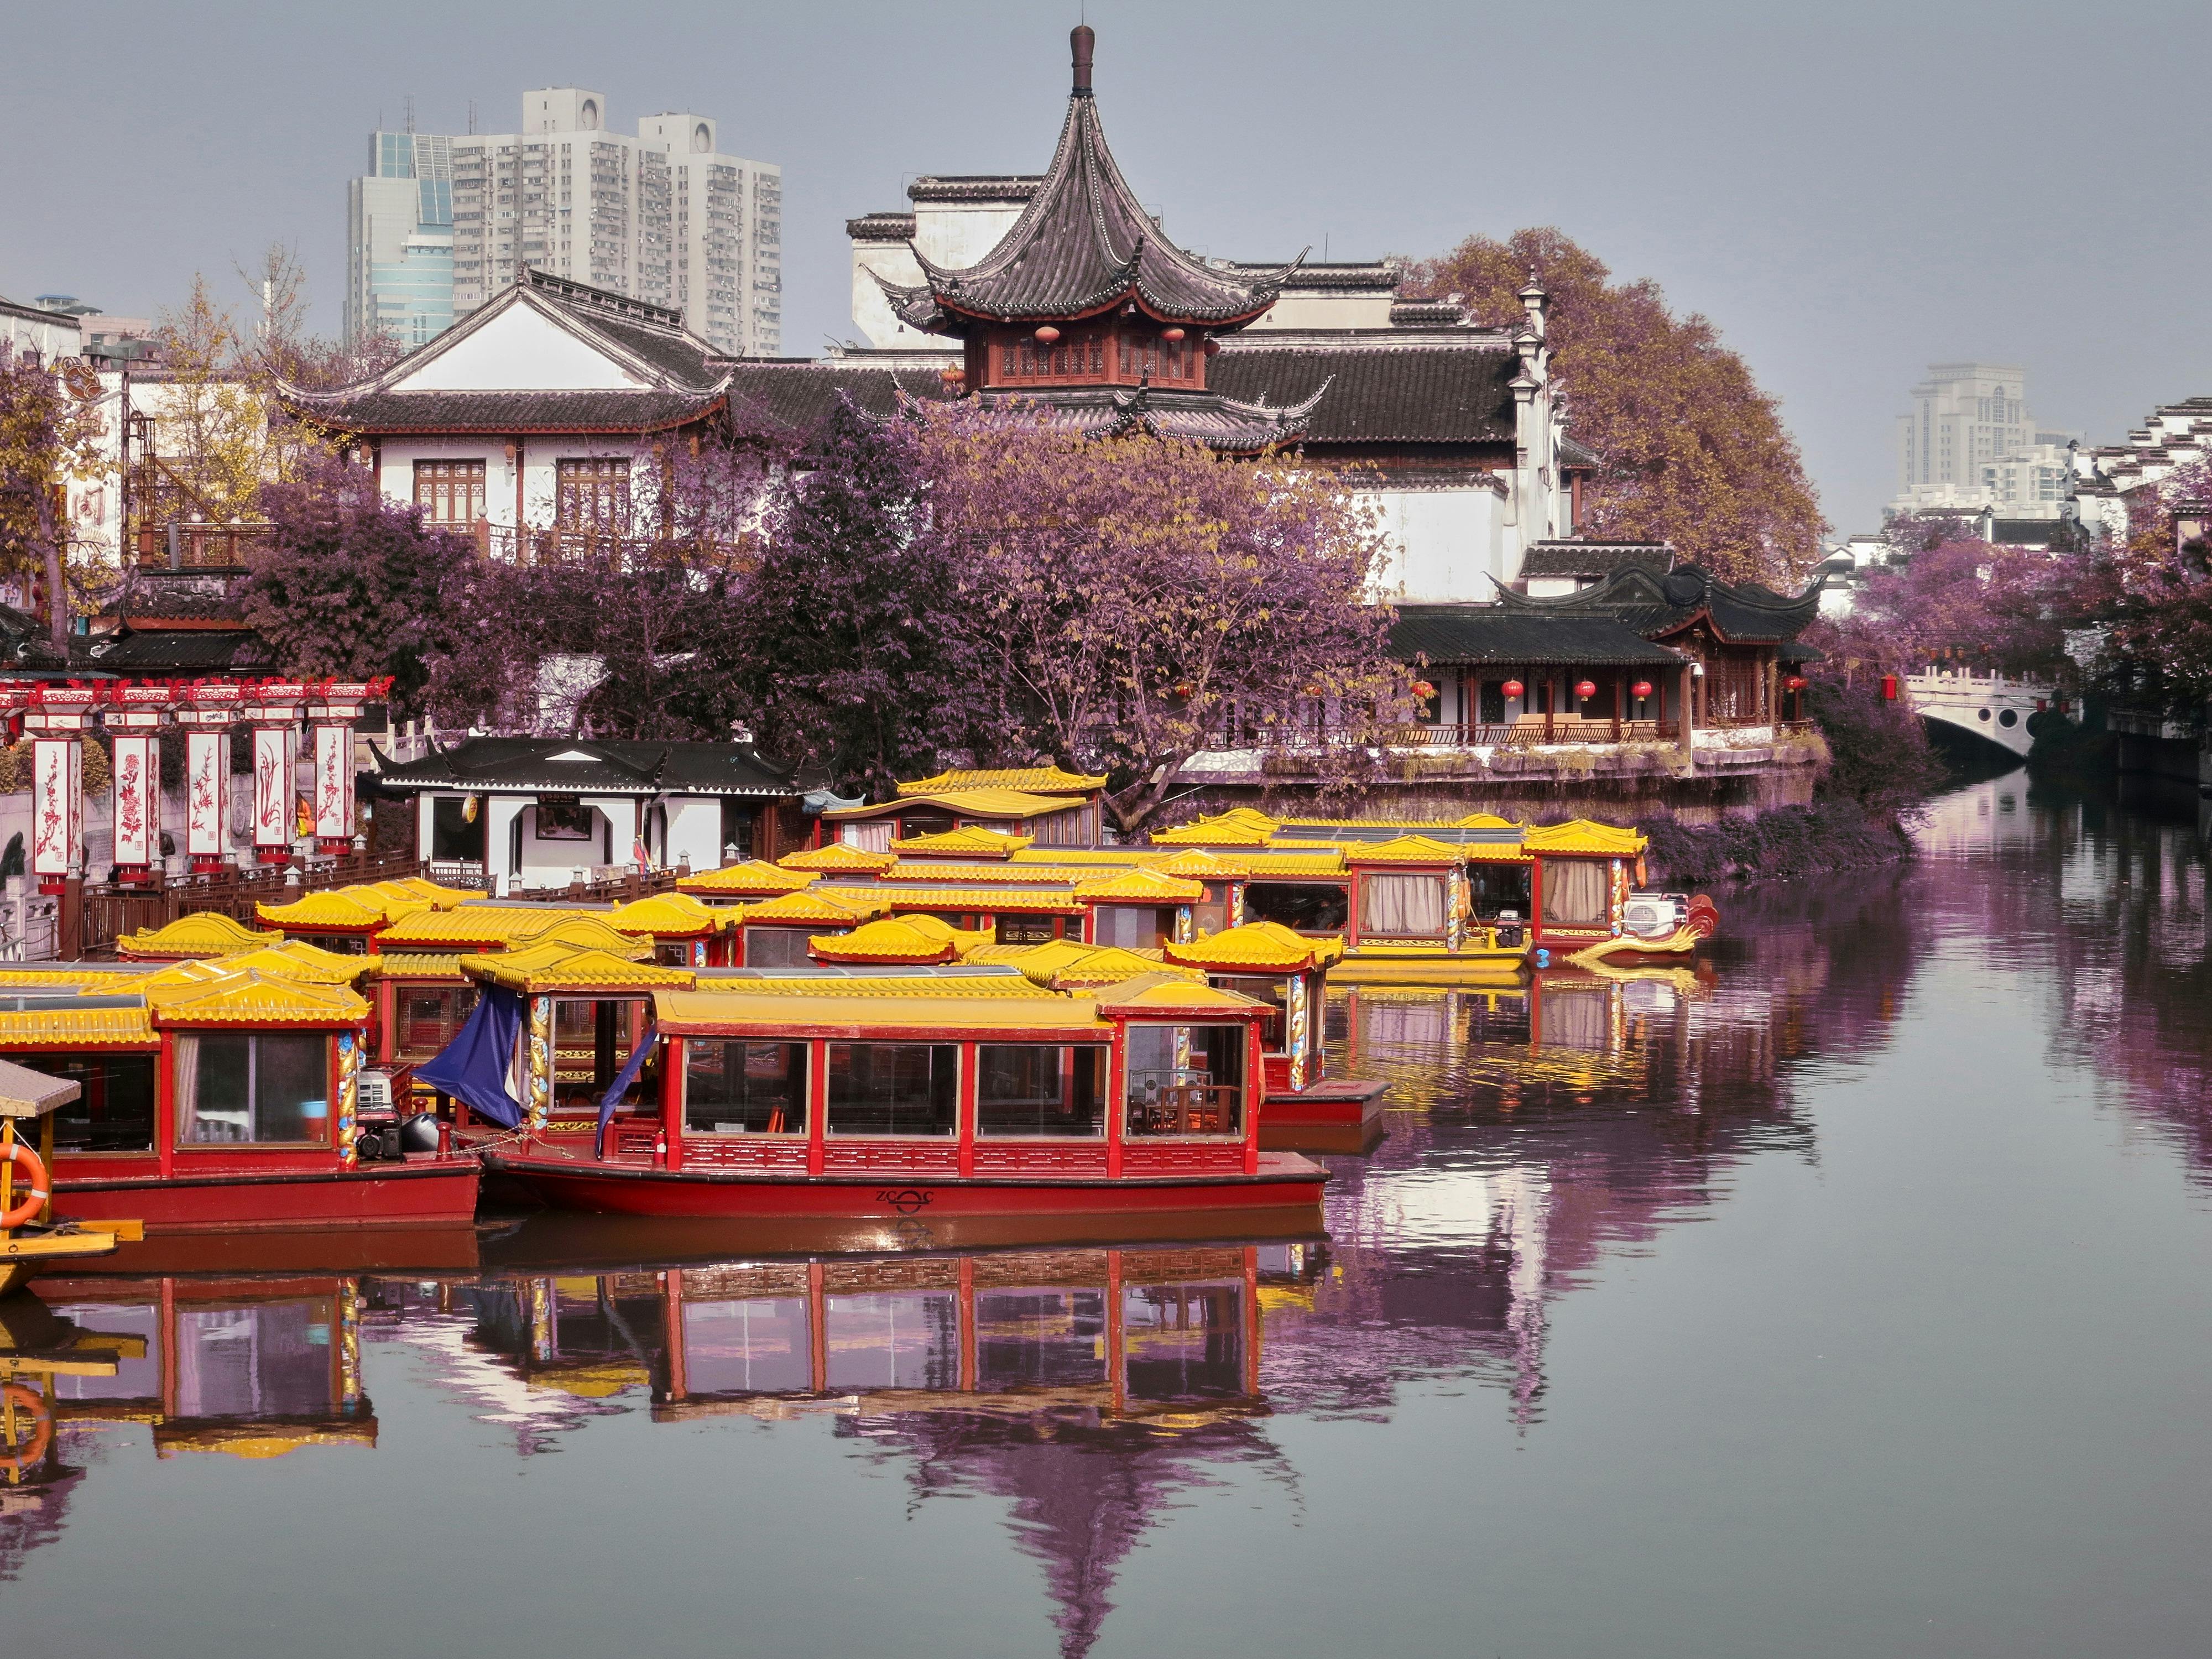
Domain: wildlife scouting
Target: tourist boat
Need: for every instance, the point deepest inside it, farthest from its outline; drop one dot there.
(963, 1094)
(220, 1095)
(32, 1237)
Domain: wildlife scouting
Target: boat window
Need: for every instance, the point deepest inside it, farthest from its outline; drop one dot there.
(672, 953)
(744, 1088)
(1574, 892)
(1305, 907)
(265, 1359)
(751, 1344)
(1269, 992)
(1492, 888)
(1023, 930)
(591, 1041)
(253, 1086)
(114, 1112)
(891, 1340)
(343, 945)
(893, 1088)
(1401, 906)
(779, 947)
(874, 837)
(1185, 1340)
(1040, 1088)
(1133, 926)
(1186, 1081)
(1040, 1339)
(430, 1017)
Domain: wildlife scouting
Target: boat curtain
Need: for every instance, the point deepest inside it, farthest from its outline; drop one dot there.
(1402, 906)
(473, 1067)
(185, 1085)
(1574, 892)
(620, 1086)
(871, 837)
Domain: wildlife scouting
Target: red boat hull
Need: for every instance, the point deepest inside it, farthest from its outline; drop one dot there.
(1285, 1182)
(440, 1192)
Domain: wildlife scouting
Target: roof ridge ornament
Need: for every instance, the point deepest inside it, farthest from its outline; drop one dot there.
(1082, 42)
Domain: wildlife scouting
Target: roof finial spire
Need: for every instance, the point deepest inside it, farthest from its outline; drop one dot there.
(1082, 39)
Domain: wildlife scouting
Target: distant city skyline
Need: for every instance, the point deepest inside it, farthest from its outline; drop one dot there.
(1769, 169)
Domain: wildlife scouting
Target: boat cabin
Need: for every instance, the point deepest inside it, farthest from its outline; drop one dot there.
(1284, 972)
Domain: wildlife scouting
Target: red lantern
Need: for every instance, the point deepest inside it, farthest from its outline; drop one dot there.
(1213, 348)
(1796, 682)
(1172, 336)
(1586, 689)
(1641, 688)
(1423, 689)
(1513, 688)
(952, 376)
(1047, 335)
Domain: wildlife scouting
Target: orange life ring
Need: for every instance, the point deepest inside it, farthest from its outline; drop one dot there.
(35, 1173)
(21, 1460)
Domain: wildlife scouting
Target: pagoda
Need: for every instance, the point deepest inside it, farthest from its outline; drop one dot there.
(1084, 307)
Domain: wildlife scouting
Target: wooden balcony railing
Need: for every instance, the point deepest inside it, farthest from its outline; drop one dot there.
(184, 546)
(605, 548)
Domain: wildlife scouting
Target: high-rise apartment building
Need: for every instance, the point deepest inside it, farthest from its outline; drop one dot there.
(441, 224)
(399, 241)
(662, 216)
(1970, 442)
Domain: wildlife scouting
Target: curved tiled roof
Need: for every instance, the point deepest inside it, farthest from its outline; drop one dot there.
(1266, 946)
(820, 907)
(255, 998)
(582, 930)
(858, 983)
(567, 967)
(1139, 886)
(755, 877)
(840, 857)
(973, 840)
(1654, 605)
(1584, 835)
(202, 933)
(901, 939)
(336, 908)
(1240, 826)
(1029, 779)
(1455, 390)
(1404, 849)
(1084, 243)
(78, 1028)
(1157, 995)
(670, 914)
(1045, 901)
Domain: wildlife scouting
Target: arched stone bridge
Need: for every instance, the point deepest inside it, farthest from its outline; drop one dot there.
(1990, 706)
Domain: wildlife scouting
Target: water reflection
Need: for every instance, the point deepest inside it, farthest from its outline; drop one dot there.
(1537, 1135)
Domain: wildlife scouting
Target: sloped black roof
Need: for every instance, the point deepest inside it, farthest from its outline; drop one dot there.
(798, 393)
(180, 651)
(1084, 243)
(1493, 633)
(1566, 558)
(519, 411)
(1653, 605)
(1458, 391)
(607, 767)
(1205, 417)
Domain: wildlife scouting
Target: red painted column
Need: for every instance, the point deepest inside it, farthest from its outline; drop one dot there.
(671, 1319)
(1256, 1093)
(165, 1106)
(818, 1107)
(965, 1099)
(674, 1059)
(1117, 1109)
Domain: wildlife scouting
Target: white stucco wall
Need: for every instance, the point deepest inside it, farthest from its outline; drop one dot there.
(1446, 545)
(520, 350)
(695, 833)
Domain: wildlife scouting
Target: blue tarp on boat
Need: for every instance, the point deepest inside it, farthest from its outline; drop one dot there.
(473, 1067)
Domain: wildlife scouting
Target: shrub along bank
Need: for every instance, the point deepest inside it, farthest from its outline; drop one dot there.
(1880, 769)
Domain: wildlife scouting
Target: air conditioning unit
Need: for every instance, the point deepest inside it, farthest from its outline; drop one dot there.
(1654, 915)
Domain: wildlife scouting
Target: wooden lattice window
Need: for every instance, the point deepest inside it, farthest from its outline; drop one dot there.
(450, 492)
(594, 493)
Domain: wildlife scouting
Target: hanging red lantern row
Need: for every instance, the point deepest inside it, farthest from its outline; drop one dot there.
(1513, 688)
(1641, 688)
(1586, 689)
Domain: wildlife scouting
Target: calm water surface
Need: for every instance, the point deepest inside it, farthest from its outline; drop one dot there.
(1847, 1295)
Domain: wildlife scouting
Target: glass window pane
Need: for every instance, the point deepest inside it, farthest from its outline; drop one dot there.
(1185, 1080)
(292, 1088)
(218, 1107)
(270, 1359)
(114, 1110)
(1040, 1089)
(901, 1340)
(744, 1088)
(1185, 1341)
(1045, 1339)
(756, 1345)
(892, 1088)
(778, 947)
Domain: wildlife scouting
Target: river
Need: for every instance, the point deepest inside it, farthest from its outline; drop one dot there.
(1845, 1295)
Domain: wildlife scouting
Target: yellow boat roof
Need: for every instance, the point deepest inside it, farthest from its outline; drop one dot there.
(839, 856)
(900, 938)
(947, 982)
(1584, 835)
(77, 1028)
(669, 913)
(984, 803)
(1139, 886)
(1025, 780)
(338, 907)
(737, 1013)
(817, 907)
(584, 930)
(1044, 899)
(1240, 826)
(552, 967)
(202, 933)
(253, 998)
(970, 840)
(1404, 849)
(470, 924)
(1163, 995)
(950, 874)
(1256, 946)
(754, 878)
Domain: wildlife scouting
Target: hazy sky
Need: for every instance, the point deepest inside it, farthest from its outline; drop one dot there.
(1849, 192)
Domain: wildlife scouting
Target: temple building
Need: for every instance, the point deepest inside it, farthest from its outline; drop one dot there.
(1061, 291)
